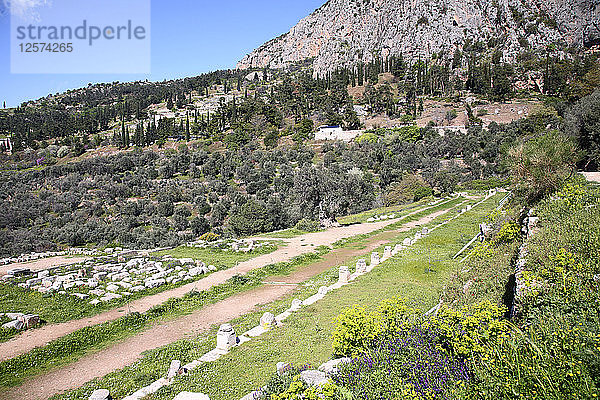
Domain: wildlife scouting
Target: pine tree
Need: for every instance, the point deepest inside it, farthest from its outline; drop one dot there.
(170, 103)
(4, 104)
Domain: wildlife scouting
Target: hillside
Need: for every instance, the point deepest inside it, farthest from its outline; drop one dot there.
(347, 32)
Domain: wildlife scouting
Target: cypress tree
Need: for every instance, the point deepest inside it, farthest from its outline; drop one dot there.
(187, 128)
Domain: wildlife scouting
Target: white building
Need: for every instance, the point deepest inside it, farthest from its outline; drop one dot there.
(327, 132)
(6, 143)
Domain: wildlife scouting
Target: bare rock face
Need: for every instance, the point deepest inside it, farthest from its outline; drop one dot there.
(346, 32)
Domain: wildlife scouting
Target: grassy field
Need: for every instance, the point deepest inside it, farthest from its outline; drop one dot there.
(365, 215)
(305, 338)
(285, 234)
(219, 258)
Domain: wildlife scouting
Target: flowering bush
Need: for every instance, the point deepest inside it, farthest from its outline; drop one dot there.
(408, 366)
(507, 233)
(299, 390)
(209, 237)
(465, 332)
(356, 329)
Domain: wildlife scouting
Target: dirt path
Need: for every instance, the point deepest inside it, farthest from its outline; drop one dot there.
(128, 351)
(306, 243)
(592, 176)
(44, 263)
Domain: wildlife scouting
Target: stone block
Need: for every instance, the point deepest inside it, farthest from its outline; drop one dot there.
(361, 266)
(314, 377)
(268, 321)
(331, 367)
(100, 394)
(296, 304)
(112, 288)
(374, 259)
(16, 324)
(344, 274)
(191, 396)
(283, 367)
(175, 369)
(226, 337)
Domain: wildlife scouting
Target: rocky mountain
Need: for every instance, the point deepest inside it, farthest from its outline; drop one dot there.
(346, 32)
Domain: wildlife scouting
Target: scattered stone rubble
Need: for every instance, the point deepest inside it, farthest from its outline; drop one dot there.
(381, 217)
(241, 245)
(106, 278)
(20, 321)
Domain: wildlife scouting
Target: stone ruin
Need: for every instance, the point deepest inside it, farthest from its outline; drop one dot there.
(361, 266)
(21, 321)
(374, 259)
(267, 321)
(226, 337)
(344, 275)
(100, 394)
(381, 217)
(106, 278)
(387, 252)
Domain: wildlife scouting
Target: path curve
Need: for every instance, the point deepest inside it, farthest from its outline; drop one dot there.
(299, 245)
(162, 333)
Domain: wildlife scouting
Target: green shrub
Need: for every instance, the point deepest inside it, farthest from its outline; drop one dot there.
(465, 332)
(508, 233)
(298, 390)
(356, 329)
(410, 188)
(308, 225)
(209, 237)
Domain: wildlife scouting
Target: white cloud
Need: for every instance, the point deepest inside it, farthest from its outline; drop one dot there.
(25, 9)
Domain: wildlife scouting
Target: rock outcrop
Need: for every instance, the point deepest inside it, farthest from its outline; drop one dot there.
(346, 32)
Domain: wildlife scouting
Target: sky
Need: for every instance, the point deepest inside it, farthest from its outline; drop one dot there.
(188, 37)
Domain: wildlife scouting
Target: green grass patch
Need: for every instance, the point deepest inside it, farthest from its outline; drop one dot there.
(217, 256)
(358, 240)
(285, 234)
(365, 215)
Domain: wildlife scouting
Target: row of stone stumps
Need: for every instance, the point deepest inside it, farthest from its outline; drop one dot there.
(228, 339)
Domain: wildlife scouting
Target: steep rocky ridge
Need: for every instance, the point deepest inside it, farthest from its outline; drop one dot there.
(345, 32)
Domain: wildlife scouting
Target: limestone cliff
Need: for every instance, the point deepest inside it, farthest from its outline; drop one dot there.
(345, 32)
